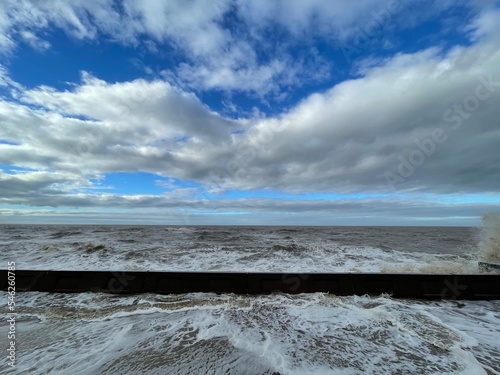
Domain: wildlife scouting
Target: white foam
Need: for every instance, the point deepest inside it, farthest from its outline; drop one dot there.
(489, 245)
(315, 257)
(219, 334)
(230, 249)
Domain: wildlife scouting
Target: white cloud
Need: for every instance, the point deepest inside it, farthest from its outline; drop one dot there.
(34, 41)
(214, 55)
(344, 139)
(486, 25)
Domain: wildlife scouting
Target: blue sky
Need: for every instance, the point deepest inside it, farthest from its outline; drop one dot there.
(239, 112)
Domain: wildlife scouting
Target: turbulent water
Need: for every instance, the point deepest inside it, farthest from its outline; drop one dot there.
(273, 249)
(92, 333)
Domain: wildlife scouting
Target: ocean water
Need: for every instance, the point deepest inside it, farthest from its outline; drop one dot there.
(273, 249)
(204, 333)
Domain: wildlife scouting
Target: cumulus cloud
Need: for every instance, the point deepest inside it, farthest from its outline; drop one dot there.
(214, 55)
(420, 122)
(356, 135)
(344, 139)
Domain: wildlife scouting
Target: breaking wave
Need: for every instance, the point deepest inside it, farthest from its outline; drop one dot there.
(489, 245)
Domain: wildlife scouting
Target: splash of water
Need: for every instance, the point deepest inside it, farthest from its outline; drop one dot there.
(489, 245)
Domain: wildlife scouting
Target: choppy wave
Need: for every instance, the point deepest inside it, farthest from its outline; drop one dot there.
(257, 249)
(61, 234)
(275, 334)
(91, 248)
(228, 334)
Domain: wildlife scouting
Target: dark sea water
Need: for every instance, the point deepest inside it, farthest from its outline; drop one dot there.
(203, 333)
(280, 249)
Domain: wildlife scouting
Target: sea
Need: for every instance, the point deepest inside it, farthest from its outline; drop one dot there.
(208, 333)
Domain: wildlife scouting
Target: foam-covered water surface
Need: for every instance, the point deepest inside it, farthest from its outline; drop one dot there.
(252, 249)
(229, 334)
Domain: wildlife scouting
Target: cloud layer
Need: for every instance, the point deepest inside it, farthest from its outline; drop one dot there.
(414, 123)
(224, 44)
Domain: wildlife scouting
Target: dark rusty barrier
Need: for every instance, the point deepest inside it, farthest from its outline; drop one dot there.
(417, 286)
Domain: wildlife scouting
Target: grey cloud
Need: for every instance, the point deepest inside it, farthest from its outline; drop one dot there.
(428, 121)
(347, 139)
(27, 187)
(380, 211)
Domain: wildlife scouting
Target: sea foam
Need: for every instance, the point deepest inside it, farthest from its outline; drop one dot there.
(489, 245)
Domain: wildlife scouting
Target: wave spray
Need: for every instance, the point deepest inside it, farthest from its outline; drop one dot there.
(489, 244)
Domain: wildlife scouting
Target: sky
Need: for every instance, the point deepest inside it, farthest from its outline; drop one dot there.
(249, 112)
